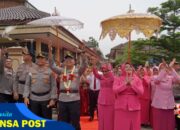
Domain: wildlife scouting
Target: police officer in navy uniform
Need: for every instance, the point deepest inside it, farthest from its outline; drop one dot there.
(6, 78)
(21, 74)
(40, 89)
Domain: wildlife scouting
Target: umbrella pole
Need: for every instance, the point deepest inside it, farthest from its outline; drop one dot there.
(129, 48)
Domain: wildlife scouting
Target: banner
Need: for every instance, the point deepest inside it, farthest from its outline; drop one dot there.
(18, 116)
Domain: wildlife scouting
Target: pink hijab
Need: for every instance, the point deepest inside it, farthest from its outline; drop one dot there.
(123, 71)
(106, 67)
(139, 71)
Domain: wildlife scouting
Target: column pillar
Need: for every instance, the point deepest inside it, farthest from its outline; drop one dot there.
(38, 46)
(57, 53)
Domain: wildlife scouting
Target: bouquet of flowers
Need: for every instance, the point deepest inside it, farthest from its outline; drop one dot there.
(177, 110)
(64, 78)
(71, 77)
(67, 80)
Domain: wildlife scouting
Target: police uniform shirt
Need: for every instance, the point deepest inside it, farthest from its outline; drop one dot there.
(6, 79)
(20, 77)
(72, 96)
(40, 84)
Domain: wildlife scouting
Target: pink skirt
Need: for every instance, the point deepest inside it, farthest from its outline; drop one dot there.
(163, 119)
(145, 111)
(106, 117)
(127, 120)
(151, 117)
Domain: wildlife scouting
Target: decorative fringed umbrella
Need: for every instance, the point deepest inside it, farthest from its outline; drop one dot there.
(124, 24)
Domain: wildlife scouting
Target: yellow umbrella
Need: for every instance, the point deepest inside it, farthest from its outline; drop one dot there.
(124, 24)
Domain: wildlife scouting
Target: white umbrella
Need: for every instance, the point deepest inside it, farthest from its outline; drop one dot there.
(58, 21)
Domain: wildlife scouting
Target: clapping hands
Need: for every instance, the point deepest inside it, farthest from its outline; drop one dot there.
(172, 62)
(170, 66)
(128, 80)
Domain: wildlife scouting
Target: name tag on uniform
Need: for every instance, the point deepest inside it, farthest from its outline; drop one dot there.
(46, 80)
(33, 81)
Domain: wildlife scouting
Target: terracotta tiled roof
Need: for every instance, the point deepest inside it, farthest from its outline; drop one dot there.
(19, 15)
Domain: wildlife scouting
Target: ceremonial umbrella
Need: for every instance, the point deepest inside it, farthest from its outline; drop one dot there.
(56, 21)
(124, 24)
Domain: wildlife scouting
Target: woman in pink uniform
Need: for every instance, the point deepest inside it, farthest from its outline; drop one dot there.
(106, 98)
(127, 89)
(155, 71)
(163, 99)
(145, 98)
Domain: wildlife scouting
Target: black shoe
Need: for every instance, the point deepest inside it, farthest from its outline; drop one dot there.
(145, 125)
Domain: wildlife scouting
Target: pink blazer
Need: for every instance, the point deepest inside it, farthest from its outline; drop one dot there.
(147, 90)
(106, 94)
(163, 96)
(153, 85)
(127, 96)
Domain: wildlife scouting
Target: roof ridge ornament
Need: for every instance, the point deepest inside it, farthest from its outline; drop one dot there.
(56, 12)
(130, 10)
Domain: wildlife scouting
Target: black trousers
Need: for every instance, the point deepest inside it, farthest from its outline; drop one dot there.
(93, 97)
(5, 98)
(21, 99)
(40, 108)
(70, 112)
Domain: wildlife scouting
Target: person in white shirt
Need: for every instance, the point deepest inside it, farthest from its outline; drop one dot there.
(94, 87)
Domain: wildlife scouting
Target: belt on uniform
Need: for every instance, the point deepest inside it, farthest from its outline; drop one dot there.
(22, 82)
(71, 91)
(41, 94)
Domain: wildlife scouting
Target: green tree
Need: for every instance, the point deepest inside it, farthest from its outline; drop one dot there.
(169, 40)
(168, 44)
(122, 58)
(146, 50)
(93, 42)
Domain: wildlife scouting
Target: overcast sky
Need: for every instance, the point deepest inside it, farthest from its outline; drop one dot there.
(92, 12)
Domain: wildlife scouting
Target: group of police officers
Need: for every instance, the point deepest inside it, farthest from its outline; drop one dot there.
(35, 85)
